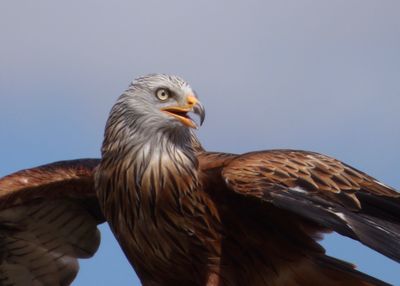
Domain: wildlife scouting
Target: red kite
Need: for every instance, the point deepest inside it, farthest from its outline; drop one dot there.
(185, 216)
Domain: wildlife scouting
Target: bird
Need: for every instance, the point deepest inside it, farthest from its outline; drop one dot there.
(187, 216)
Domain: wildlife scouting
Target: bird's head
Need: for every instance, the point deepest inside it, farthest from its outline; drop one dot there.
(164, 100)
(155, 104)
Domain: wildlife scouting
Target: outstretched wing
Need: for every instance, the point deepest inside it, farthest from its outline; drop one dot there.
(48, 219)
(323, 190)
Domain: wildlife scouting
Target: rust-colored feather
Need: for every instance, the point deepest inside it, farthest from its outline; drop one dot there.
(326, 191)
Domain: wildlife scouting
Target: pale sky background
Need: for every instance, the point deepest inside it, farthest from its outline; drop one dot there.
(315, 75)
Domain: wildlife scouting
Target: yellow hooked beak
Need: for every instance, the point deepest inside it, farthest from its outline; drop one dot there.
(180, 112)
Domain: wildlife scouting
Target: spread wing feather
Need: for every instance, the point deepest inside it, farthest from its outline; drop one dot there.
(48, 219)
(323, 190)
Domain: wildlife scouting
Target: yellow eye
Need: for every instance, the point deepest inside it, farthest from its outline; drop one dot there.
(162, 94)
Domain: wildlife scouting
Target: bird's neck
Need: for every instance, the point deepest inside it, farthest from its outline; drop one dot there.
(152, 163)
(163, 162)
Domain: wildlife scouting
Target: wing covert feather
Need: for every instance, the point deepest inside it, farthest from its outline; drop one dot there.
(323, 190)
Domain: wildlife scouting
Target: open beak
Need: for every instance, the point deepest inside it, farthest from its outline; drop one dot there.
(181, 112)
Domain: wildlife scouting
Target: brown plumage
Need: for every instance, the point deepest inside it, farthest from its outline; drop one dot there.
(48, 219)
(184, 216)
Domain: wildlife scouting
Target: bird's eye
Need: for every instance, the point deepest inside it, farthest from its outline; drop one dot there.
(162, 94)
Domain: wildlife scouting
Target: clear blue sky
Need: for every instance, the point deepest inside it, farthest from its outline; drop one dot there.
(315, 75)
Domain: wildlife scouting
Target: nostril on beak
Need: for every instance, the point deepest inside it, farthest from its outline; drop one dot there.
(191, 100)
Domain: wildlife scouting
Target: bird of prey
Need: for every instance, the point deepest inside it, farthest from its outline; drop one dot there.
(186, 216)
